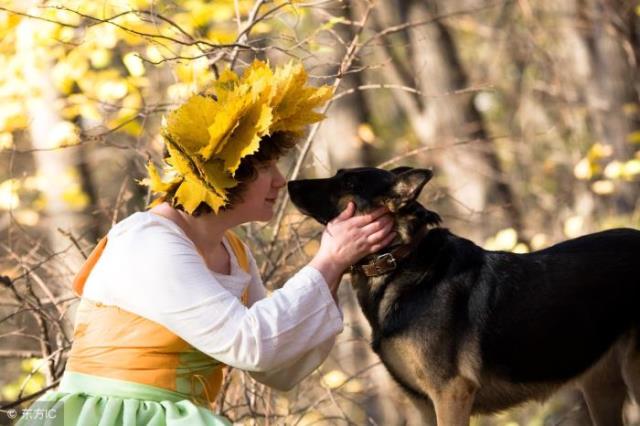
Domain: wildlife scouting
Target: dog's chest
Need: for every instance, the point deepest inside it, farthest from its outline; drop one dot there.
(408, 364)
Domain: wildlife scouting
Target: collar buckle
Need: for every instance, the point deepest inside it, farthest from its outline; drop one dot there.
(380, 265)
(385, 263)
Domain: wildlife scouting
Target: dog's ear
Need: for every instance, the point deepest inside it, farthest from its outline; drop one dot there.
(401, 169)
(407, 187)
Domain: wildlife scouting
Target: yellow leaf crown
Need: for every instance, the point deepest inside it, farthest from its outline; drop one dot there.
(209, 135)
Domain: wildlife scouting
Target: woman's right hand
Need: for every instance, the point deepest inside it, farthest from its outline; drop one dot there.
(348, 238)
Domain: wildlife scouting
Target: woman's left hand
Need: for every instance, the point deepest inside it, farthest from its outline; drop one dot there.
(349, 238)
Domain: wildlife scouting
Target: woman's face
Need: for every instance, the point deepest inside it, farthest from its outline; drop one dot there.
(259, 199)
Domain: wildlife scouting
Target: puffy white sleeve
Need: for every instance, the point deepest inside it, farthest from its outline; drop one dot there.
(157, 273)
(289, 374)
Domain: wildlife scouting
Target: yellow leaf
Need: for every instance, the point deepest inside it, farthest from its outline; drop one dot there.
(189, 124)
(603, 187)
(100, 58)
(6, 140)
(75, 197)
(294, 102)
(221, 37)
(184, 72)
(127, 122)
(245, 139)
(155, 181)
(288, 81)
(334, 379)
(9, 194)
(614, 169)
(507, 239)
(332, 22)
(632, 168)
(27, 217)
(190, 194)
(154, 54)
(520, 248)
(573, 226)
(226, 121)
(583, 170)
(210, 175)
(104, 36)
(112, 90)
(297, 122)
(634, 137)
(63, 133)
(538, 241)
(12, 116)
(599, 150)
(134, 64)
(365, 133)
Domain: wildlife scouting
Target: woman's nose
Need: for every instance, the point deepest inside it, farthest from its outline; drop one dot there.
(278, 180)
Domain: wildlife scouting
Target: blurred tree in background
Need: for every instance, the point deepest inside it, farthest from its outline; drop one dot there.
(529, 113)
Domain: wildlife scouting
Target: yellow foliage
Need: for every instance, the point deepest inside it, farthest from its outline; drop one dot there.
(221, 37)
(155, 180)
(365, 133)
(614, 170)
(154, 54)
(9, 194)
(27, 217)
(6, 140)
(573, 226)
(603, 187)
(631, 168)
(189, 123)
(12, 116)
(8, 21)
(64, 133)
(30, 381)
(100, 58)
(634, 137)
(134, 64)
(599, 150)
(126, 121)
(505, 239)
(208, 135)
(102, 36)
(334, 379)
(538, 241)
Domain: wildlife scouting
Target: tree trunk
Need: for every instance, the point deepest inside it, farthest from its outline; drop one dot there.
(612, 83)
(58, 167)
(472, 170)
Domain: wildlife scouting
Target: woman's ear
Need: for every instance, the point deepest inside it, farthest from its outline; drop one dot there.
(408, 186)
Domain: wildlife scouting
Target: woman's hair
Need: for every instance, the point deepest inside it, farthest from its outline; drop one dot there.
(271, 148)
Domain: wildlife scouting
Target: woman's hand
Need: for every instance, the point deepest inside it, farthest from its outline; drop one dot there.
(348, 238)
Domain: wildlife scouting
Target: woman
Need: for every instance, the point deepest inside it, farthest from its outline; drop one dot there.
(170, 296)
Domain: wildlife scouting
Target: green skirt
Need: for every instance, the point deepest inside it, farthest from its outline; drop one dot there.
(86, 400)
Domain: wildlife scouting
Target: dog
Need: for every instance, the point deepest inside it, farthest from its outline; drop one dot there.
(468, 331)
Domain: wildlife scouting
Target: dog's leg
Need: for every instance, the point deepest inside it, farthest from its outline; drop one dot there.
(604, 391)
(425, 408)
(631, 367)
(454, 402)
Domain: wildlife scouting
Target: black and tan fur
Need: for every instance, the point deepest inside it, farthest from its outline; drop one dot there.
(466, 330)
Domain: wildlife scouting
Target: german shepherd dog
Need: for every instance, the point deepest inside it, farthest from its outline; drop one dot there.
(466, 330)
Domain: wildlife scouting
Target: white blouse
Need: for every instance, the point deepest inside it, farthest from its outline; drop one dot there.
(151, 268)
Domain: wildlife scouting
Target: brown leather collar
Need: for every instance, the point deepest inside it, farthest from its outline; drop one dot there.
(384, 263)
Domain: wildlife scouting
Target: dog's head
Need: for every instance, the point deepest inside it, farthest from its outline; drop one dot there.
(369, 188)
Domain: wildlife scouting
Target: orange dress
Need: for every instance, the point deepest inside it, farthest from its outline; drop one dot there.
(126, 369)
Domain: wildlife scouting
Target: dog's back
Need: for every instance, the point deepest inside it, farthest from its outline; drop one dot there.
(476, 331)
(555, 312)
